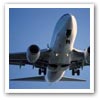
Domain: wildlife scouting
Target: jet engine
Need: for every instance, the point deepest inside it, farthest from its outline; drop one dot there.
(87, 55)
(33, 53)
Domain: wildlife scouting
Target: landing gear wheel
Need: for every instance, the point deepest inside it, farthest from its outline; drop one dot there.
(78, 72)
(73, 72)
(45, 71)
(42, 70)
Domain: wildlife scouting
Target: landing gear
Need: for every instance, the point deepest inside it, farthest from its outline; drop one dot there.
(75, 67)
(73, 72)
(68, 33)
(77, 71)
(42, 70)
(67, 41)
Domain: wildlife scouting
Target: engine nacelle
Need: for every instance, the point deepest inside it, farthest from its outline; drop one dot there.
(87, 55)
(33, 53)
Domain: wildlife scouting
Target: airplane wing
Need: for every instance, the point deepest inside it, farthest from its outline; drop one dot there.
(78, 59)
(20, 58)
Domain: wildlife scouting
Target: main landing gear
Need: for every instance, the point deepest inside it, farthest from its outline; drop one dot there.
(42, 70)
(76, 71)
(75, 67)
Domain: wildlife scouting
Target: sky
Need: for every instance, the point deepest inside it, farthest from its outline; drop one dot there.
(35, 26)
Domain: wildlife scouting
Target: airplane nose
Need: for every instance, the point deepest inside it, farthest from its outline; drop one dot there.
(68, 16)
(68, 19)
(63, 25)
(68, 26)
(69, 22)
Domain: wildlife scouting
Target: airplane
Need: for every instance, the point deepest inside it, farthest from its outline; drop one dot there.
(60, 56)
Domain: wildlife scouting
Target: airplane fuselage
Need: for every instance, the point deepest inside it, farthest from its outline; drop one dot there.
(61, 46)
(60, 56)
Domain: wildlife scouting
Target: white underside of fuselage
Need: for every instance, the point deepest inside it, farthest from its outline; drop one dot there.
(61, 50)
(54, 76)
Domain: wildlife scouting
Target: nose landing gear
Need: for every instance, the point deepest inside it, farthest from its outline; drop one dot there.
(67, 41)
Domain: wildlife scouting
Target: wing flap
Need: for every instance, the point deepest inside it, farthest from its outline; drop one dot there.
(18, 62)
(16, 56)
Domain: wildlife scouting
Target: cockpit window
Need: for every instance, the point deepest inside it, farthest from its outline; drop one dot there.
(68, 33)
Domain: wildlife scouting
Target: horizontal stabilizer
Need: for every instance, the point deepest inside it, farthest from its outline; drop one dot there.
(37, 79)
(71, 79)
(42, 79)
